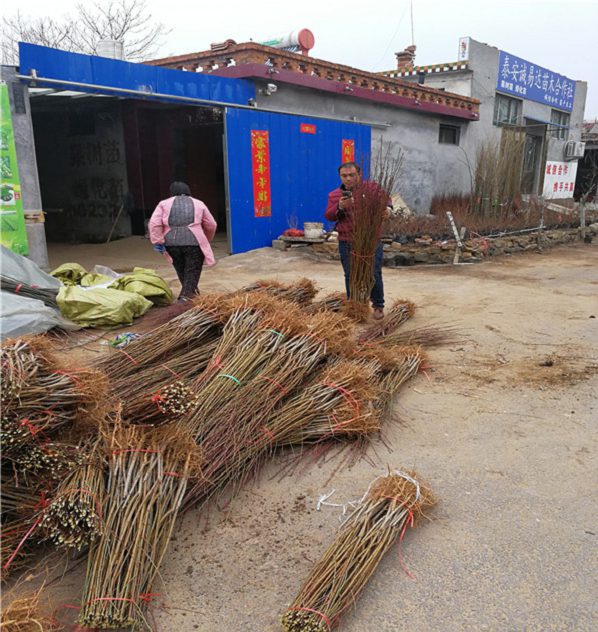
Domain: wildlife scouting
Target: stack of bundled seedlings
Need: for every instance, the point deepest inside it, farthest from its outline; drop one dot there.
(46, 409)
(41, 401)
(301, 292)
(73, 518)
(255, 329)
(234, 440)
(400, 312)
(390, 505)
(147, 475)
(175, 352)
(334, 302)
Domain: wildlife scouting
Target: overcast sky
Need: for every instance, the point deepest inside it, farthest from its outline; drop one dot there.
(561, 36)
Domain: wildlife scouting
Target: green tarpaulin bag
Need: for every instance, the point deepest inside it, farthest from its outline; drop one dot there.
(93, 278)
(147, 283)
(101, 307)
(69, 273)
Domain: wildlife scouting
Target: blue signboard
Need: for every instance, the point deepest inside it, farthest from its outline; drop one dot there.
(530, 81)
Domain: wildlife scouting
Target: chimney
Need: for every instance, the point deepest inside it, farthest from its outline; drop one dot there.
(405, 58)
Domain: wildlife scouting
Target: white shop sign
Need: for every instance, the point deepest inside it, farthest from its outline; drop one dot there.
(559, 179)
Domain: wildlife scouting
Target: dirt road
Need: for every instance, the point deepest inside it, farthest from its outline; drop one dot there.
(503, 427)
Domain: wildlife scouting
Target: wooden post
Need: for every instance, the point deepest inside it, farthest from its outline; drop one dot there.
(582, 219)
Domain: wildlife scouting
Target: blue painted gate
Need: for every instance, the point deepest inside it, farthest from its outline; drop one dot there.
(304, 154)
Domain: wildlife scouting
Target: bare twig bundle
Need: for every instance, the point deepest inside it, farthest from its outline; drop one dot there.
(427, 336)
(370, 202)
(190, 330)
(301, 292)
(400, 312)
(233, 446)
(47, 295)
(73, 518)
(41, 395)
(339, 403)
(330, 303)
(394, 367)
(389, 506)
(148, 472)
(25, 614)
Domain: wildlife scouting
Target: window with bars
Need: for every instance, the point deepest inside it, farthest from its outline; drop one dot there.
(449, 134)
(560, 119)
(507, 111)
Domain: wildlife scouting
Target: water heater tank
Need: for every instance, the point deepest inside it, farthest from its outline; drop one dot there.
(300, 40)
(111, 48)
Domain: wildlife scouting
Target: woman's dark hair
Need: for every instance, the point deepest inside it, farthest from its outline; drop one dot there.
(179, 188)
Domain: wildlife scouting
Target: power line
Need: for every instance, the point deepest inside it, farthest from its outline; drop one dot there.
(392, 38)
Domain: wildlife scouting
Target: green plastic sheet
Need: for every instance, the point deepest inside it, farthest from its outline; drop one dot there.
(101, 307)
(69, 273)
(147, 283)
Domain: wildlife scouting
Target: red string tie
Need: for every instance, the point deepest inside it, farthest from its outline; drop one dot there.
(18, 288)
(164, 366)
(269, 379)
(128, 355)
(21, 543)
(72, 377)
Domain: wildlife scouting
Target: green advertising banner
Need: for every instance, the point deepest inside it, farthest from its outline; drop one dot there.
(12, 220)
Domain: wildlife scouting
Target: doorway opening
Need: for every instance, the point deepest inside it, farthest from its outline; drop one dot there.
(105, 162)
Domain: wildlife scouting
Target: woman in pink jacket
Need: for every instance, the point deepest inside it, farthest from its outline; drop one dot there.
(183, 227)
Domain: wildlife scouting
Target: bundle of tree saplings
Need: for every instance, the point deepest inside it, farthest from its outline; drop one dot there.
(339, 402)
(390, 505)
(400, 312)
(47, 295)
(234, 441)
(301, 292)
(148, 469)
(40, 398)
(189, 331)
(73, 518)
(334, 302)
(254, 331)
(394, 367)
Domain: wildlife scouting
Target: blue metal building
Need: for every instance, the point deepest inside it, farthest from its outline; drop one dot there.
(153, 125)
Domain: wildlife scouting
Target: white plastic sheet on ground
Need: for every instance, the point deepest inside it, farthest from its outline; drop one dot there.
(20, 316)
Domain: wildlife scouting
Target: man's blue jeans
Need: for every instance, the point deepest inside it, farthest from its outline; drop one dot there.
(377, 295)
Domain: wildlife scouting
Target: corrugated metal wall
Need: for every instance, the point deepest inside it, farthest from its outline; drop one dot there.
(303, 169)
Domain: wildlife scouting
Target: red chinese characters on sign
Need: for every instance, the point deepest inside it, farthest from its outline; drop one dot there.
(348, 150)
(260, 161)
(307, 128)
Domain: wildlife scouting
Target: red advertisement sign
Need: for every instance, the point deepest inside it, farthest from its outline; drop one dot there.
(260, 161)
(307, 128)
(348, 150)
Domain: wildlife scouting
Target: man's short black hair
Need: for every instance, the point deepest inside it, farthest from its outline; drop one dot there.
(179, 188)
(350, 164)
